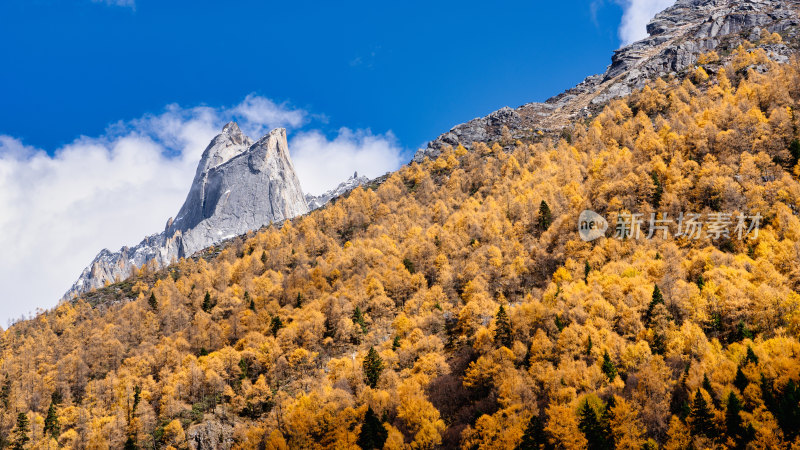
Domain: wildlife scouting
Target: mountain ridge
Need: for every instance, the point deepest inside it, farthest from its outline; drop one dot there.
(676, 37)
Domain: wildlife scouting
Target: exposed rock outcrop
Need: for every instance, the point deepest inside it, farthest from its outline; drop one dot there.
(211, 434)
(318, 201)
(677, 36)
(239, 186)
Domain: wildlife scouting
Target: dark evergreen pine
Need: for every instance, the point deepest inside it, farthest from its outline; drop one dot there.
(710, 390)
(608, 367)
(503, 333)
(207, 302)
(794, 150)
(545, 217)
(658, 190)
(586, 270)
(787, 410)
(373, 434)
(733, 421)
(21, 437)
(740, 381)
(592, 428)
(534, 437)
(153, 302)
(137, 397)
(130, 444)
(373, 366)
(751, 356)
(358, 319)
(396, 343)
(51, 425)
(275, 325)
(656, 300)
(700, 416)
(264, 257)
(679, 404)
(742, 332)
(249, 301)
(700, 282)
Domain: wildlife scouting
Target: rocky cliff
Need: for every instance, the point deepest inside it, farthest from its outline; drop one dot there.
(677, 36)
(240, 185)
(318, 201)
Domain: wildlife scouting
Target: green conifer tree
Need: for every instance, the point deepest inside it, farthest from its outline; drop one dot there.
(373, 366)
(503, 333)
(733, 421)
(21, 437)
(275, 325)
(608, 367)
(534, 437)
(658, 190)
(545, 217)
(701, 419)
(592, 428)
(249, 301)
(358, 319)
(51, 425)
(207, 305)
(657, 299)
(373, 434)
(740, 380)
(153, 302)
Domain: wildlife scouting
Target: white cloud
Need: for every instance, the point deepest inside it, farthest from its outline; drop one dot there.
(124, 3)
(60, 209)
(322, 164)
(636, 14)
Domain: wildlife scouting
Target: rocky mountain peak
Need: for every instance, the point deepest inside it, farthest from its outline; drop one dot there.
(239, 186)
(318, 201)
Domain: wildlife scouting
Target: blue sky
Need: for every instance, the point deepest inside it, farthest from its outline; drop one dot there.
(416, 68)
(107, 105)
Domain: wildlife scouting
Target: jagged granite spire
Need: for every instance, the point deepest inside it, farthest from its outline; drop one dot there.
(239, 186)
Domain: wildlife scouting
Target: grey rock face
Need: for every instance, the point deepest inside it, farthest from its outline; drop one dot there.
(318, 201)
(677, 36)
(211, 434)
(239, 186)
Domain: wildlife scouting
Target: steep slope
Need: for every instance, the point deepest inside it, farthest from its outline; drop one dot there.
(239, 186)
(455, 305)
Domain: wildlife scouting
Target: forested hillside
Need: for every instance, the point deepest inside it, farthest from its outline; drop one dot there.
(455, 305)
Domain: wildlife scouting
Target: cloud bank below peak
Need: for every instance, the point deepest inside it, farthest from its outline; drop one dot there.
(636, 14)
(61, 207)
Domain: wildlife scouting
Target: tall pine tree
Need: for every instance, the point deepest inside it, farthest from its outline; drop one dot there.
(51, 425)
(373, 366)
(608, 367)
(373, 434)
(592, 427)
(21, 437)
(503, 333)
(534, 437)
(545, 217)
(701, 419)
(657, 299)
